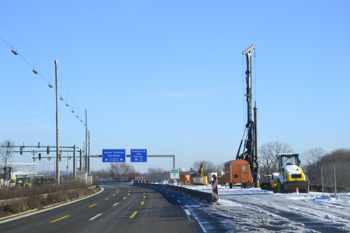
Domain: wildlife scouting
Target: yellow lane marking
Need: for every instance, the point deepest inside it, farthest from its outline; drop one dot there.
(133, 215)
(113, 194)
(144, 193)
(144, 196)
(59, 219)
(142, 203)
(106, 198)
(92, 205)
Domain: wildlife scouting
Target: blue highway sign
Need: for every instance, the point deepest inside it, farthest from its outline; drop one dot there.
(113, 155)
(138, 155)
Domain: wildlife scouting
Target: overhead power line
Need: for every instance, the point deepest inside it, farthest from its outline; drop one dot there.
(35, 71)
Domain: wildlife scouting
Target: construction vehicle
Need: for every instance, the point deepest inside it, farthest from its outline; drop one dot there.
(245, 169)
(290, 176)
(200, 178)
(23, 181)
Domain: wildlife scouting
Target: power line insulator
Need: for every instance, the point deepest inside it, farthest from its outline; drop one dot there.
(35, 72)
(50, 85)
(14, 52)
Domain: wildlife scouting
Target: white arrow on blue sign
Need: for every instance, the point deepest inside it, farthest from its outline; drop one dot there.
(113, 155)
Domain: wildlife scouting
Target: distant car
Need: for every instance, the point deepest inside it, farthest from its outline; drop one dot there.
(164, 182)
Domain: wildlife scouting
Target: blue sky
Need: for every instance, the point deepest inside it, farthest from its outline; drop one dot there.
(167, 76)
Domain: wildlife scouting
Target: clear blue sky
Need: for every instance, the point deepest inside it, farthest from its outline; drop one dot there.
(167, 76)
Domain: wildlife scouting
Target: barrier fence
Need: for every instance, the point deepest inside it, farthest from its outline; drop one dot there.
(335, 177)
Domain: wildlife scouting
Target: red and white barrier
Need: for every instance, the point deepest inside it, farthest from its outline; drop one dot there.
(214, 185)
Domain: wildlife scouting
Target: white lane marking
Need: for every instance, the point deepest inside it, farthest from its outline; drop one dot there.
(115, 204)
(172, 195)
(128, 194)
(94, 217)
(178, 201)
(200, 224)
(49, 208)
(187, 212)
(124, 197)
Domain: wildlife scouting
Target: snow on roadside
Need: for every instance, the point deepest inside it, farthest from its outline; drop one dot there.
(260, 210)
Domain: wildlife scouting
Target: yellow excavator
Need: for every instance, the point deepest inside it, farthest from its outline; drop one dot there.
(290, 176)
(200, 178)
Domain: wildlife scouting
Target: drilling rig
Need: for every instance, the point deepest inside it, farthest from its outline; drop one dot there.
(245, 169)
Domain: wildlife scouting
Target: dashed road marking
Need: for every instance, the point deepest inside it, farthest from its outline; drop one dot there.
(106, 198)
(94, 217)
(124, 197)
(115, 204)
(144, 196)
(59, 219)
(178, 201)
(172, 195)
(142, 203)
(113, 194)
(92, 205)
(133, 215)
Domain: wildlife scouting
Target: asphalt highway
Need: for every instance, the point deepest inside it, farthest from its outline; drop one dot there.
(120, 208)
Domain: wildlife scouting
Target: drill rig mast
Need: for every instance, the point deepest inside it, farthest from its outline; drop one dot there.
(250, 151)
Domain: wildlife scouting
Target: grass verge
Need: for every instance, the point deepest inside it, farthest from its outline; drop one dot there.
(39, 196)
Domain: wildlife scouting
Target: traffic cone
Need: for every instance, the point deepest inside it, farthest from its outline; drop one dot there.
(297, 191)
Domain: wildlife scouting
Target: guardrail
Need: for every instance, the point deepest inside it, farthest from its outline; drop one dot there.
(193, 193)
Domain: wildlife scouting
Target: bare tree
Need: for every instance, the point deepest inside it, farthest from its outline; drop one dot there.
(220, 168)
(313, 156)
(267, 156)
(122, 170)
(312, 167)
(157, 174)
(6, 151)
(208, 166)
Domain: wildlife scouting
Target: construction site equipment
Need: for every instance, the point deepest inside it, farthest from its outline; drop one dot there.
(200, 178)
(290, 176)
(245, 169)
(239, 172)
(23, 181)
(186, 179)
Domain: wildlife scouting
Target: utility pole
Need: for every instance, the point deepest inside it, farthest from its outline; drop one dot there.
(89, 168)
(57, 132)
(86, 143)
(67, 167)
(75, 164)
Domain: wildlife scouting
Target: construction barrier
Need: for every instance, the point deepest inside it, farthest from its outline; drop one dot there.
(214, 185)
